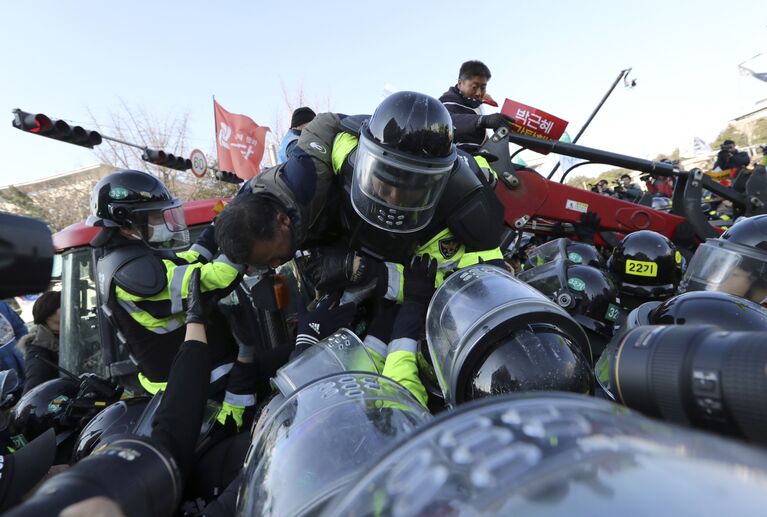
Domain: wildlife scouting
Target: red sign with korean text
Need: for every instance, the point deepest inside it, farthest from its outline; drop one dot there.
(534, 122)
(240, 143)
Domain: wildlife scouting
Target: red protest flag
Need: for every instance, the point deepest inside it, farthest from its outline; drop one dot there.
(240, 143)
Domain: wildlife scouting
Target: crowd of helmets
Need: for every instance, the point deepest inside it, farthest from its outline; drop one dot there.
(641, 327)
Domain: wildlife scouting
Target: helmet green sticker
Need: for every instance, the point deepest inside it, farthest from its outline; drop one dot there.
(613, 311)
(118, 193)
(576, 284)
(575, 257)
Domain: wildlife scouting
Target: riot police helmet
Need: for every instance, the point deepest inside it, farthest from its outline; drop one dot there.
(40, 408)
(117, 419)
(646, 266)
(403, 162)
(735, 263)
(588, 294)
(142, 203)
(490, 333)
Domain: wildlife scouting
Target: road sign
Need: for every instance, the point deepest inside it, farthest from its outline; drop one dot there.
(199, 163)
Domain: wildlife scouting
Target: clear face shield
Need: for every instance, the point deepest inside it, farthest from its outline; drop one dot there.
(729, 268)
(553, 454)
(475, 302)
(548, 252)
(340, 352)
(161, 228)
(395, 193)
(316, 442)
(551, 280)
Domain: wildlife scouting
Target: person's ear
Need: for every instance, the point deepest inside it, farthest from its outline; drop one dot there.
(283, 220)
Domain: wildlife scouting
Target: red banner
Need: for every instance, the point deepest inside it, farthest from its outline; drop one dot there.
(240, 143)
(534, 122)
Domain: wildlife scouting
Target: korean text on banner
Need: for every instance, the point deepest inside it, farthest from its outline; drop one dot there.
(240, 143)
(534, 122)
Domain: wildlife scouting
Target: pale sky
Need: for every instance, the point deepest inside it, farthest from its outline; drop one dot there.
(67, 58)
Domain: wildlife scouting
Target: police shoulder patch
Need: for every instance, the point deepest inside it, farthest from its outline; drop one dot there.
(448, 247)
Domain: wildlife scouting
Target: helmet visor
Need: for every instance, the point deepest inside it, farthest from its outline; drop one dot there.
(320, 439)
(546, 253)
(533, 358)
(162, 228)
(548, 278)
(394, 193)
(339, 352)
(721, 267)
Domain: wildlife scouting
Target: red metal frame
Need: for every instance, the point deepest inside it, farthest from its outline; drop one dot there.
(537, 197)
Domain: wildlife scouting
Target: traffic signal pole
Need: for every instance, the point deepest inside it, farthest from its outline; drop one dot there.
(43, 125)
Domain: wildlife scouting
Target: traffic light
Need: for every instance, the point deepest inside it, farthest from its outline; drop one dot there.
(228, 177)
(163, 159)
(57, 129)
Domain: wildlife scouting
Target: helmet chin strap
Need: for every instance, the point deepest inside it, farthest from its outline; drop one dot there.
(130, 233)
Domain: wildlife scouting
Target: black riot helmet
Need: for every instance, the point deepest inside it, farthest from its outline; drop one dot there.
(751, 232)
(726, 311)
(587, 293)
(117, 419)
(571, 251)
(137, 200)
(646, 266)
(490, 333)
(535, 358)
(40, 408)
(735, 263)
(404, 159)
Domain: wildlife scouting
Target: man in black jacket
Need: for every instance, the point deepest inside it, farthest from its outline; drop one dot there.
(730, 158)
(463, 101)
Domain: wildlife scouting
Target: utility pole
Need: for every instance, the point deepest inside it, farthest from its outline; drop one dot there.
(626, 83)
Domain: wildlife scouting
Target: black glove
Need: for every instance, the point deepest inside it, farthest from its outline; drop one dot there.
(329, 269)
(332, 269)
(494, 121)
(383, 322)
(197, 311)
(410, 322)
(419, 279)
(588, 227)
(326, 318)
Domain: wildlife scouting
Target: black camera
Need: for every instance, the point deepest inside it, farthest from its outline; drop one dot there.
(698, 375)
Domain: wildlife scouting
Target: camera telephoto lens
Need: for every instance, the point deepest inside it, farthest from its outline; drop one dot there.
(699, 376)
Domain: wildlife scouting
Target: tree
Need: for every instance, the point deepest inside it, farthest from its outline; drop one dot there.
(581, 181)
(292, 101)
(138, 126)
(59, 201)
(612, 176)
(21, 200)
(730, 133)
(759, 132)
